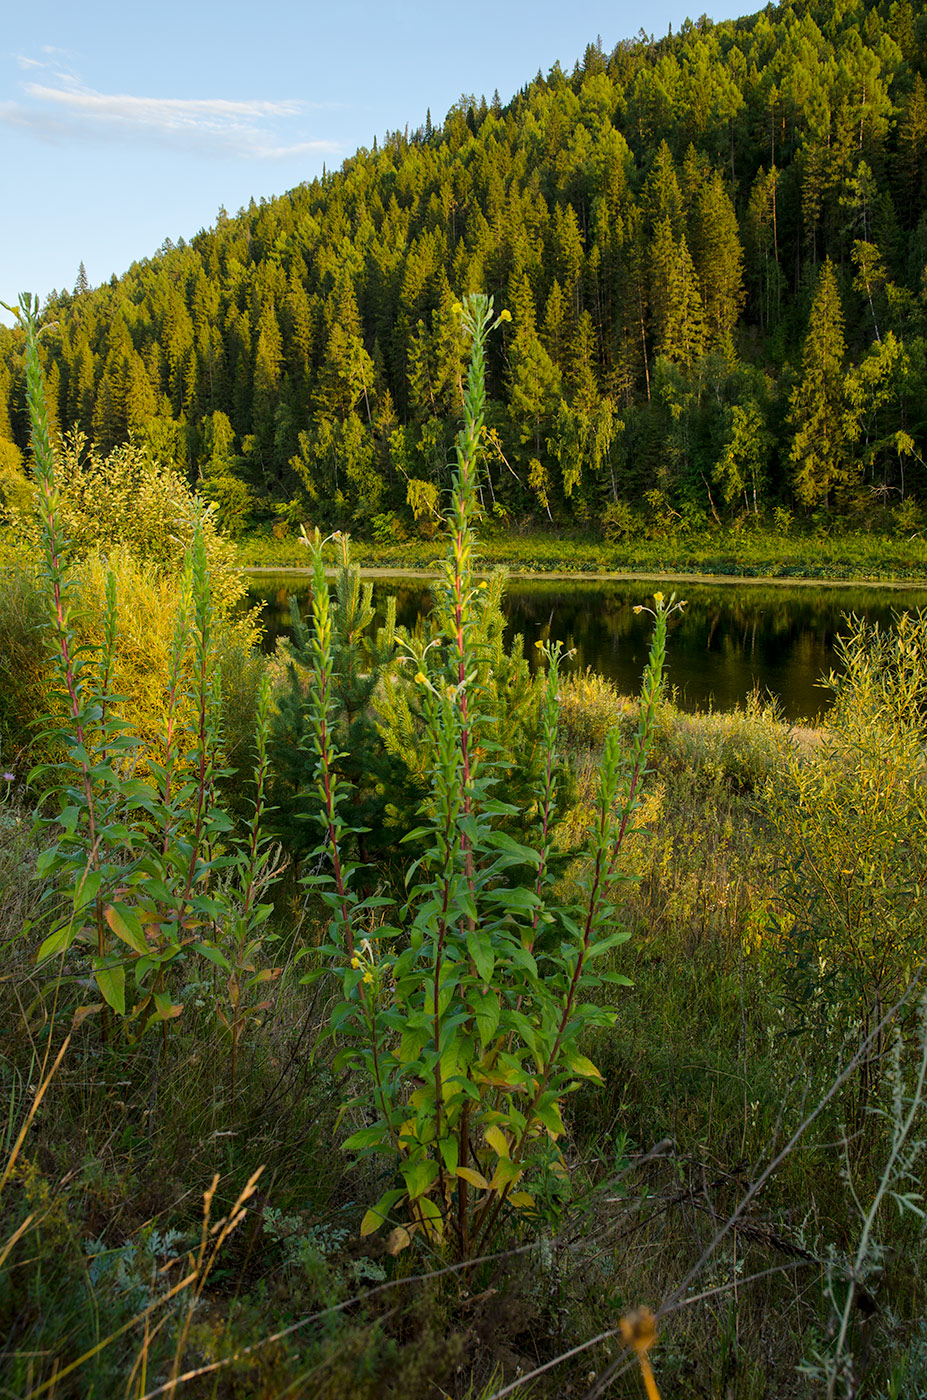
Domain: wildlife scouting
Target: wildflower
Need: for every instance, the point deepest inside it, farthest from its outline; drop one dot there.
(355, 961)
(421, 678)
(457, 309)
(505, 316)
(658, 598)
(368, 977)
(539, 642)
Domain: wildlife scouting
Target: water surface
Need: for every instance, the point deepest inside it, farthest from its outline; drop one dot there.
(733, 638)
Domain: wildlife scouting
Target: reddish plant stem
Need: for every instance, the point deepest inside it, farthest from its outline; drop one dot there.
(67, 660)
(600, 883)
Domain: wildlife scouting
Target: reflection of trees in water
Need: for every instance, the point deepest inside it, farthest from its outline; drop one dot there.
(730, 638)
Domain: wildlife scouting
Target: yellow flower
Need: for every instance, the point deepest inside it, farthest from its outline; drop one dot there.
(421, 678)
(505, 315)
(355, 961)
(368, 977)
(539, 642)
(658, 598)
(457, 309)
(639, 608)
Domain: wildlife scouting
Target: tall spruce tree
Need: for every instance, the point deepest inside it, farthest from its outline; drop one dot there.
(819, 411)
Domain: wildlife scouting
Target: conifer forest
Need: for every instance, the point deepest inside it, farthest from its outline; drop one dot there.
(712, 246)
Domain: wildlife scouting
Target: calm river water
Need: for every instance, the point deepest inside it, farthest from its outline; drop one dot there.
(731, 639)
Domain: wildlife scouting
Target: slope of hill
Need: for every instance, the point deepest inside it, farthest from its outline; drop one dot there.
(713, 248)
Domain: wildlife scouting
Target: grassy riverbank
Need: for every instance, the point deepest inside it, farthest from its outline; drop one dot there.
(712, 1068)
(761, 553)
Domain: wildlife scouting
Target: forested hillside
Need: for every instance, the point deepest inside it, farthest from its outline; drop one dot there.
(712, 246)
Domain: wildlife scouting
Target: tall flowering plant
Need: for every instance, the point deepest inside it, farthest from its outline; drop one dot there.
(461, 1019)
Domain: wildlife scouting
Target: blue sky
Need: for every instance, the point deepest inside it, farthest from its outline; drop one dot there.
(121, 125)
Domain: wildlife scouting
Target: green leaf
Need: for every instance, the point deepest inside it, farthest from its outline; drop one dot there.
(46, 860)
(365, 1138)
(548, 1113)
(378, 1214)
(411, 1044)
(487, 1011)
(86, 891)
(112, 984)
(616, 979)
(156, 889)
(215, 955)
(418, 1176)
(501, 840)
(517, 898)
(56, 943)
(450, 1151)
(479, 946)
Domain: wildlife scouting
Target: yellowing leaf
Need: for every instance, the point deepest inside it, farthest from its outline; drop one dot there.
(82, 1012)
(496, 1139)
(432, 1219)
(521, 1198)
(372, 1221)
(474, 1178)
(127, 926)
(399, 1239)
(377, 1214)
(580, 1065)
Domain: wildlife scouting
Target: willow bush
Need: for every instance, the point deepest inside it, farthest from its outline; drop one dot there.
(850, 818)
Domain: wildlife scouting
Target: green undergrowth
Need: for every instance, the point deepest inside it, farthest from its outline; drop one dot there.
(756, 553)
(704, 1084)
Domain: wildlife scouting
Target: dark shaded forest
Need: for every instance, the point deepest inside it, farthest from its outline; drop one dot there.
(713, 249)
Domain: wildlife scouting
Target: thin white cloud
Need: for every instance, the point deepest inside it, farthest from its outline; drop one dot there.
(64, 110)
(165, 113)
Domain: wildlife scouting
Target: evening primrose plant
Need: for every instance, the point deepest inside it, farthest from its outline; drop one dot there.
(459, 1023)
(142, 874)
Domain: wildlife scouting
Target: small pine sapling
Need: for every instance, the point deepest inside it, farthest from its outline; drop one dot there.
(360, 655)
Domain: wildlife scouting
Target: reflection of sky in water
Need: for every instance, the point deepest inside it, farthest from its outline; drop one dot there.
(730, 639)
